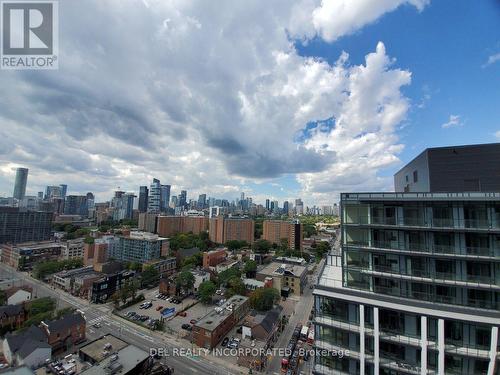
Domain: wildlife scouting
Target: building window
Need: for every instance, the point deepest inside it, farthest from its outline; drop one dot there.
(415, 176)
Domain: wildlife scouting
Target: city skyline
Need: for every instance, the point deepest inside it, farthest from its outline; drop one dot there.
(306, 107)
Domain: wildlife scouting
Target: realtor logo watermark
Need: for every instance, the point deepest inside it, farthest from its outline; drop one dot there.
(30, 35)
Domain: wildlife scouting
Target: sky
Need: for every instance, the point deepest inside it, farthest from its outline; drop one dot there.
(281, 99)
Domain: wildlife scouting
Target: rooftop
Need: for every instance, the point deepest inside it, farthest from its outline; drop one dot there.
(76, 271)
(215, 317)
(62, 324)
(276, 269)
(144, 236)
(96, 349)
(471, 196)
(121, 362)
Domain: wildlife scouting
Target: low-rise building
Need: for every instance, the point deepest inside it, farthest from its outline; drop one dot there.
(291, 260)
(27, 348)
(73, 249)
(12, 317)
(111, 355)
(82, 284)
(214, 257)
(227, 264)
(23, 256)
(210, 329)
(200, 277)
(165, 267)
(252, 284)
(65, 279)
(64, 333)
(18, 294)
(106, 286)
(288, 279)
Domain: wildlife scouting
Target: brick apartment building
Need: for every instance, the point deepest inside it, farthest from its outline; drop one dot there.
(169, 225)
(276, 230)
(223, 229)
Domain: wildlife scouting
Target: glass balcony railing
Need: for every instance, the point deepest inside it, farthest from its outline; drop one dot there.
(447, 222)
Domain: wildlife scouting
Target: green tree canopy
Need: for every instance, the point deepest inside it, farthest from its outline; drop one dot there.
(228, 274)
(236, 286)
(206, 291)
(261, 246)
(263, 299)
(250, 266)
(184, 280)
(235, 244)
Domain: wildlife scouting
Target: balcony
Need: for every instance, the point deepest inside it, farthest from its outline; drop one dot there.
(394, 362)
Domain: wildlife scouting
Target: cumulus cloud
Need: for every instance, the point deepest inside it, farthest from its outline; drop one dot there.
(453, 121)
(205, 98)
(335, 18)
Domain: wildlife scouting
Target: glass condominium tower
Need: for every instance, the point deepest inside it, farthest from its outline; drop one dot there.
(415, 288)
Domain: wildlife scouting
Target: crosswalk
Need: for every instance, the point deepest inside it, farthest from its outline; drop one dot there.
(96, 320)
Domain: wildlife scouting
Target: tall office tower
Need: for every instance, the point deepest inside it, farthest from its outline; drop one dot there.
(285, 207)
(143, 198)
(64, 190)
(299, 207)
(20, 183)
(416, 289)
(53, 192)
(90, 200)
(268, 206)
(276, 207)
(175, 201)
(165, 197)
(272, 206)
(202, 201)
(242, 197)
(24, 226)
(76, 205)
(123, 204)
(154, 198)
(183, 199)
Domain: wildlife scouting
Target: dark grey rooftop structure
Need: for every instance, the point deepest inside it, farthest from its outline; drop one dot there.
(466, 168)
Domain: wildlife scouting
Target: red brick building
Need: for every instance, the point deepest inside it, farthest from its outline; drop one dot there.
(65, 333)
(214, 257)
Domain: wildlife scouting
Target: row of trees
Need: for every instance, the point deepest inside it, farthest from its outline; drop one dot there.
(189, 240)
(52, 266)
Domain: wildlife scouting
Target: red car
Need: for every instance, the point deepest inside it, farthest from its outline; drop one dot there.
(159, 308)
(182, 313)
(193, 321)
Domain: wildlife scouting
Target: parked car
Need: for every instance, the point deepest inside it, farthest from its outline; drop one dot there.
(182, 313)
(186, 326)
(224, 342)
(193, 321)
(159, 308)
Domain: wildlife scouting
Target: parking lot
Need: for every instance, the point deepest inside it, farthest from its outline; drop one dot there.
(155, 304)
(195, 312)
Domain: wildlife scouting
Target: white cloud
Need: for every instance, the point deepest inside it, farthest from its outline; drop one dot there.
(335, 18)
(492, 59)
(497, 134)
(453, 121)
(205, 99)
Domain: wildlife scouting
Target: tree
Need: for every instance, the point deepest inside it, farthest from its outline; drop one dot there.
(184, 280)
(261, 246)
(64, 311)
(228, 274)
(150, 276)
(234, 245)
(89, 240)
(236, 286)
(263, 299)
(320, 248)
(42, 305)
(309, 230)
(250, 266)
(206, 290)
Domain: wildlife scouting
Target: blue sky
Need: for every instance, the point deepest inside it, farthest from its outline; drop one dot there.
(216, 101)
